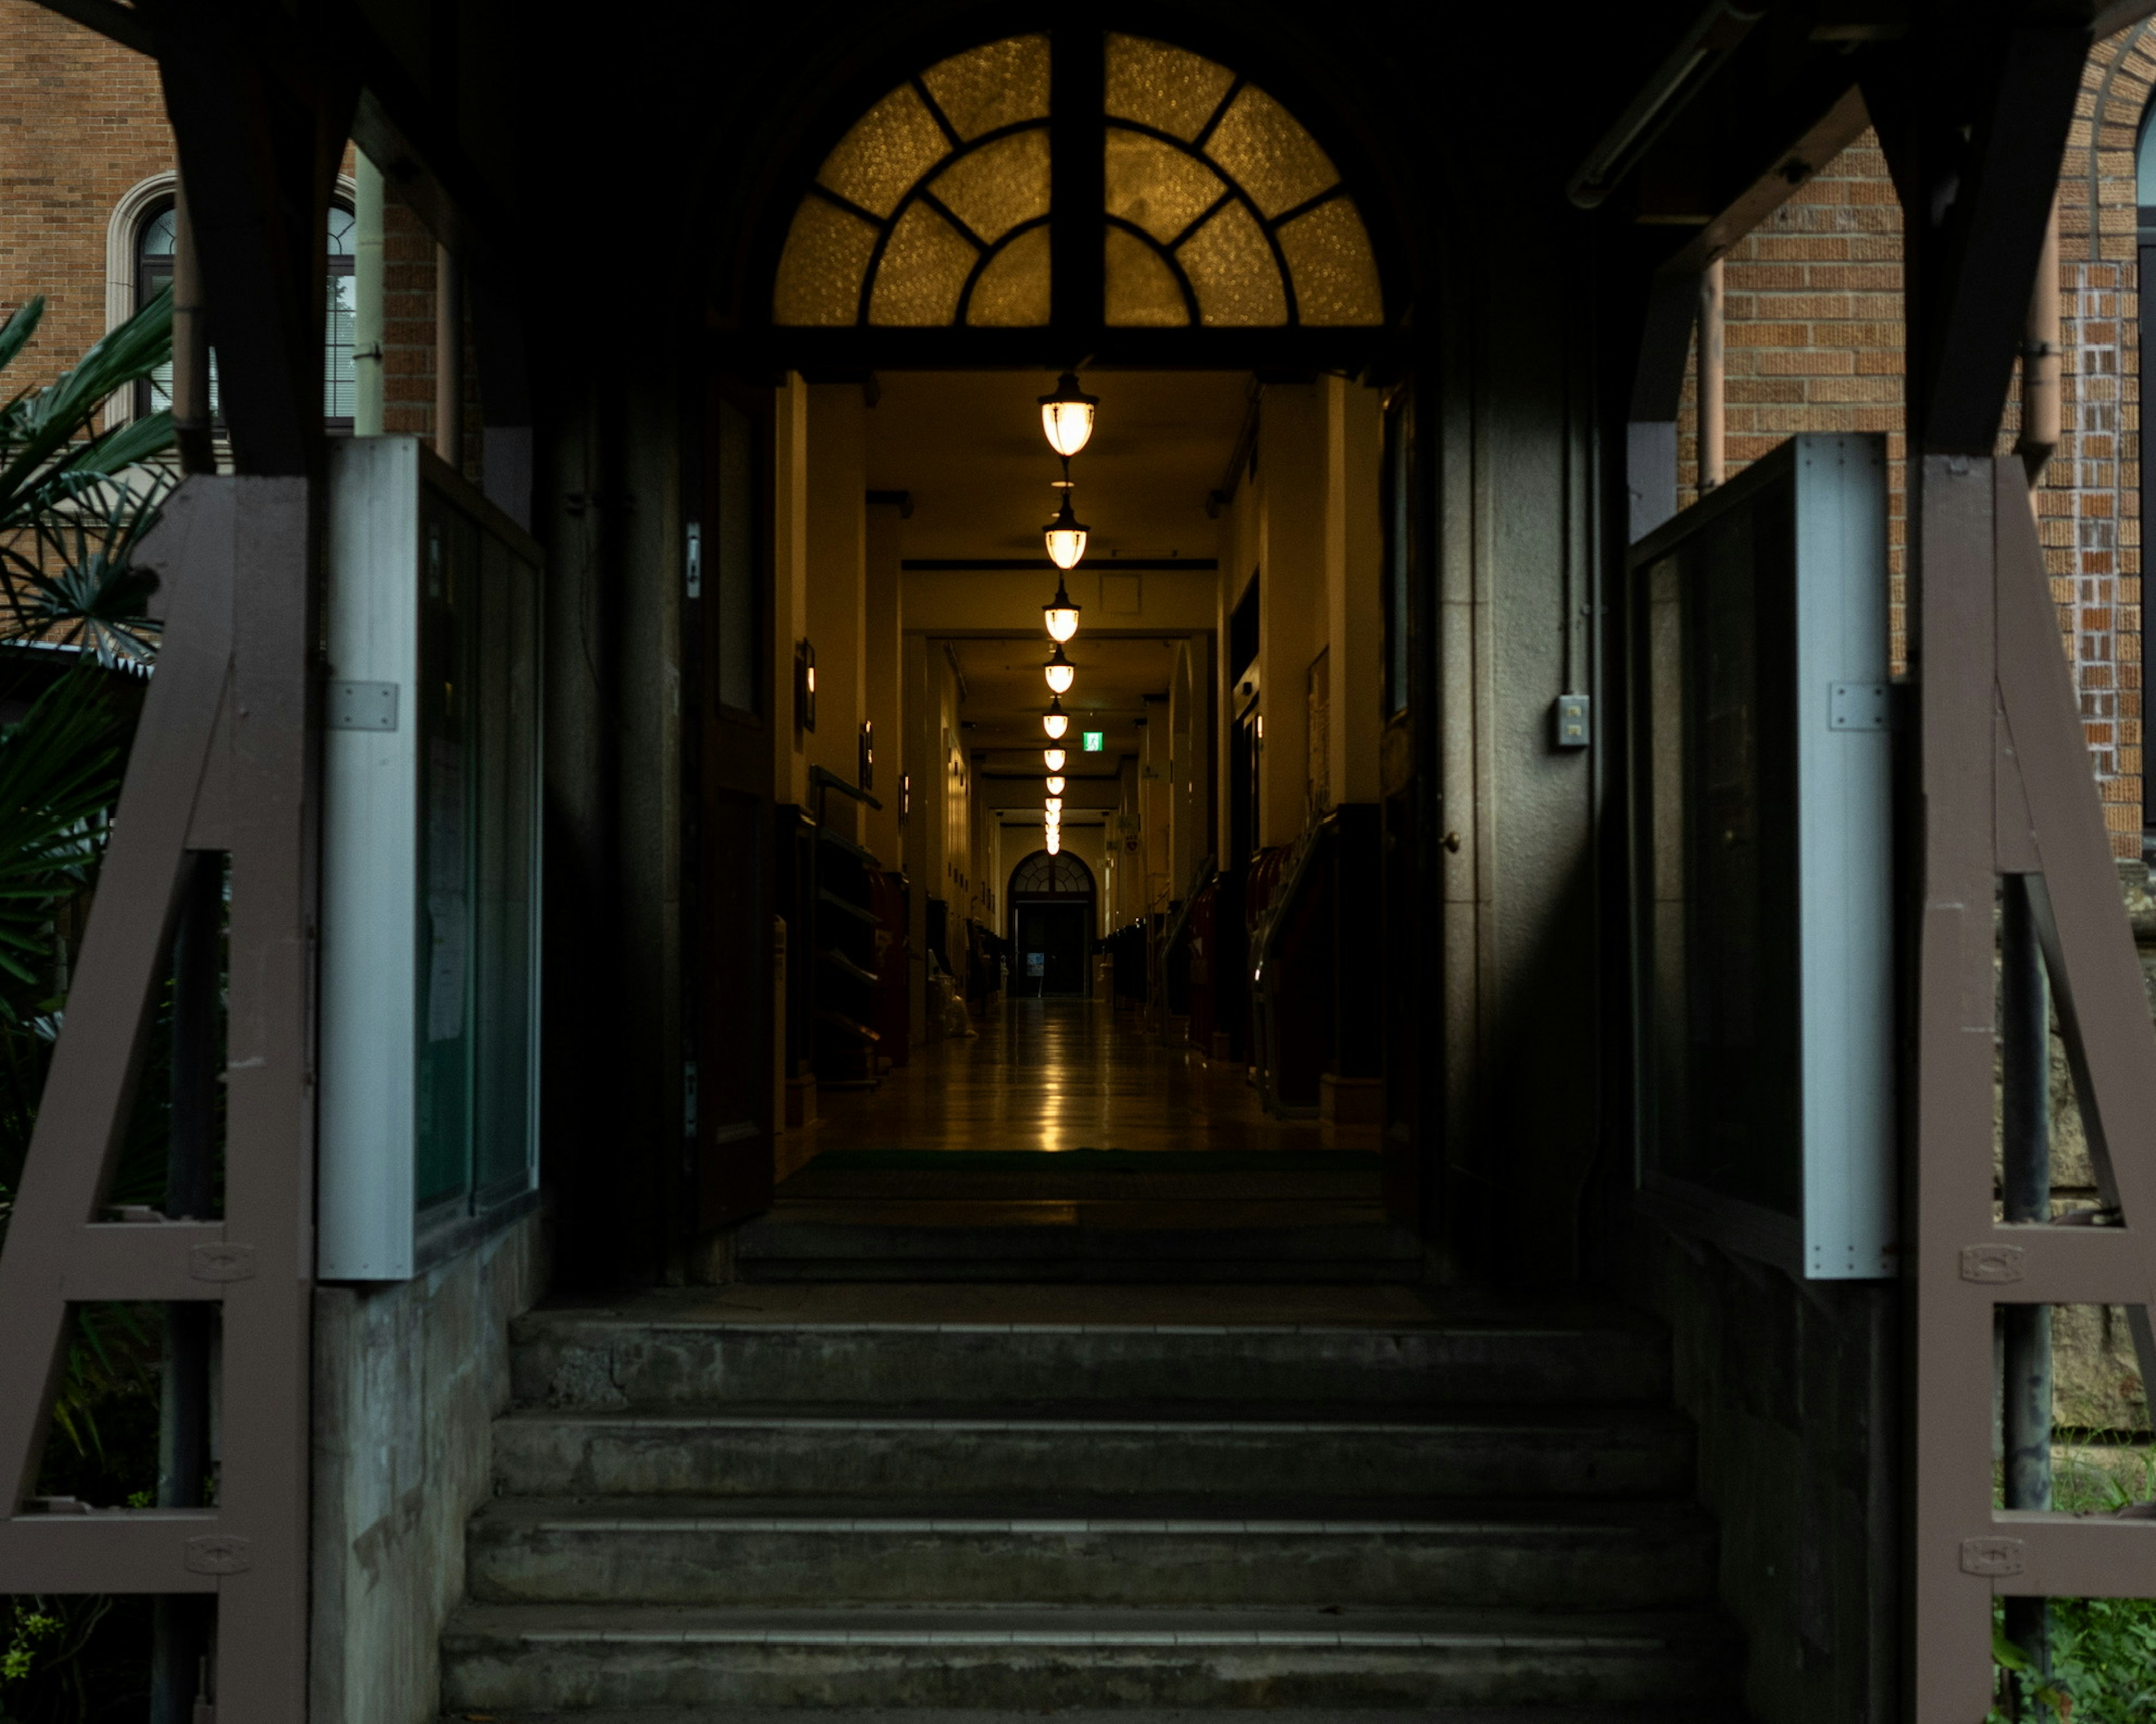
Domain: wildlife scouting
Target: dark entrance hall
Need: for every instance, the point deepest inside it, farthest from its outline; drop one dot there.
(1064, 1138)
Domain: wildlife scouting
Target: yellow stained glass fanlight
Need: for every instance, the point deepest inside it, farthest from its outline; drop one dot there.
(933, 209)
(1216, 188)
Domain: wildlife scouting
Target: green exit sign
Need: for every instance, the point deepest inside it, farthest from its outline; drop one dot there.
(1092, 741)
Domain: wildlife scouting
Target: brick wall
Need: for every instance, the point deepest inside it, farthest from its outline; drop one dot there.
(1813, 342)
(82, 122)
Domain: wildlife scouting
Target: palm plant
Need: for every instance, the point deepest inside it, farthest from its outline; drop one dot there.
(75, 502)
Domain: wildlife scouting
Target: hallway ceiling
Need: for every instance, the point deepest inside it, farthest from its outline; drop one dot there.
(969, 446)
(1005, 696)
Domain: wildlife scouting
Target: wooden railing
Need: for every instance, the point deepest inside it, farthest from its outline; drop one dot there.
(2007, 791)
(222, 763)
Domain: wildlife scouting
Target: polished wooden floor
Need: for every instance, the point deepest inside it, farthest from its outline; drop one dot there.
(1056, 1074)
(1045, 1077)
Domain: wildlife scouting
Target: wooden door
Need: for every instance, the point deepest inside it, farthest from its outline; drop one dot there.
(732, 990)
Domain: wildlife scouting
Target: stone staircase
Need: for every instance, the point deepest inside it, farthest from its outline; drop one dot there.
(998, 1501)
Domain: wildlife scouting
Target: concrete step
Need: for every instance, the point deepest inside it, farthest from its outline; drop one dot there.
(1468, 1667)
(1160, 1554)
(971, 1450)
(599, 1361)
(778, 1250)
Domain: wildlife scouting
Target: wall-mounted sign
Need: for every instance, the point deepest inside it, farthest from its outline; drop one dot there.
(1091, 742)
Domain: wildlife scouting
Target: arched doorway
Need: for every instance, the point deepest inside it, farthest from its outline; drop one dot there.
(1204, 248)
(1054, 913)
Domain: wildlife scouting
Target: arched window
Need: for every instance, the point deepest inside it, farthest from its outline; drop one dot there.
(339, 389)
(153, 272)
(1059, 876)
(1220, 210)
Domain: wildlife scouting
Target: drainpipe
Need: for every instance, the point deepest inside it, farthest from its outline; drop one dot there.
(367, 272)
(449, 359)
(2025, 1043)
(1713, 467)
(190, 407)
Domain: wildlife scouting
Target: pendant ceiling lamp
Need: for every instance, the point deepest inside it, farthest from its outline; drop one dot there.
(1065, 537)
(1055, 783)
(1060, 613)
(1056, 806)
(1054, 721)
(1055, 844)
(1055, 757)
(1066, 417)
(1060, 672)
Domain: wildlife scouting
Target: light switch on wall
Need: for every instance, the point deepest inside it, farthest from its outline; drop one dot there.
(1575, 721)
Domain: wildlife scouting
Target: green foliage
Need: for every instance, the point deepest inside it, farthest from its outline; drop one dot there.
(75, 505)
(75, 502)
(2103, 1650)
(59, 773)
(43, 1672)
(46, 449)
(2103, 1653)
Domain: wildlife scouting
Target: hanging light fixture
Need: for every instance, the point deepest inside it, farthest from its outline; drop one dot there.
(1060, 612)
(1053, 721)
(1054, 844)
(1055, 783)
(1060, 672)
(1066, 417)
(1055, 757)
(1055, 806)
(1066, 543)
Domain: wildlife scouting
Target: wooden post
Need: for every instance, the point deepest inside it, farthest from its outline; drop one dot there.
(449, 359)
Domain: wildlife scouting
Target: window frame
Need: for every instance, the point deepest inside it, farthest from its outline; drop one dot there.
(131, 284)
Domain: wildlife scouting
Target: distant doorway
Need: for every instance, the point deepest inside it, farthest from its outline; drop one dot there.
(1054, 915)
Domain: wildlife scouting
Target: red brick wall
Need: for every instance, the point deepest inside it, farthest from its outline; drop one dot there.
(82, 122)
(1813, 342)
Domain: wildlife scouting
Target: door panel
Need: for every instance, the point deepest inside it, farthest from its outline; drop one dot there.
(731, 992)
(1052, 943)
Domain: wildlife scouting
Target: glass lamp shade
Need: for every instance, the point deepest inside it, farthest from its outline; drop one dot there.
(1066, 417)
(1053, 845)
(1054, 781)
(1066, 543)
(1055, 757)
(1060, 612)
(1054, 723)
(1055, 805)
(1060, 672)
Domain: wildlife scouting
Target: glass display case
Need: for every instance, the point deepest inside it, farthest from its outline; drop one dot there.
(430, 865)
(1761, 770)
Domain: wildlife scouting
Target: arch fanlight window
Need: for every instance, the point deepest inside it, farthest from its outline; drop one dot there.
(1219, 210)
(1059, 876)
(155, 243)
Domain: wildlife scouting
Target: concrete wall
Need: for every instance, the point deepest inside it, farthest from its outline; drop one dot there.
(790, 607)
(1793, 1385)
(836, 592)
(884, 638)
(1291, 520)
(409, 1378)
